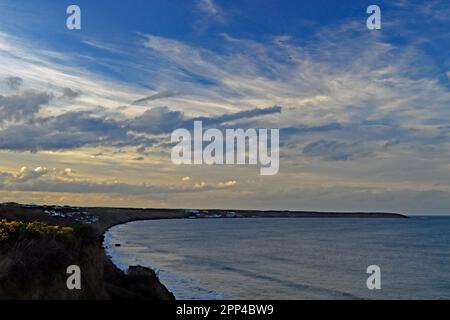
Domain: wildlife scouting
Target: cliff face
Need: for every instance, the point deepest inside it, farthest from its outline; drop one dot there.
(138, 283)
(34, 258)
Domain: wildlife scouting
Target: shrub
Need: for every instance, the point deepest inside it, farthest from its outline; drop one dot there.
(34, 257)
(18, 229)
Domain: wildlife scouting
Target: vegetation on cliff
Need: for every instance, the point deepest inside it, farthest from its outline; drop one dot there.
(34, 257)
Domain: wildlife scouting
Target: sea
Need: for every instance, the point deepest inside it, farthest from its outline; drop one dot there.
(290, 258)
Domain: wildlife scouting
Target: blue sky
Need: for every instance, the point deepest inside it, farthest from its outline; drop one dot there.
(203, 23)
(363, 114)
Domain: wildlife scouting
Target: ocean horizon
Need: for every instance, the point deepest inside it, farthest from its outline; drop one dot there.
(289, 258)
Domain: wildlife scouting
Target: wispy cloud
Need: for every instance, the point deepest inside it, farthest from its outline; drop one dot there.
(41, 179)
(208, 7)
(211, 12)
(156, 96)
(351, 128)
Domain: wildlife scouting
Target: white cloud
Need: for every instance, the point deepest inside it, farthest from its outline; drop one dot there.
(44, 180)
(201, 185)
(210, 12)
(26, 173)
(208, 7)
(227, 184)
(45, 70)
(67, 171)
(355, 107)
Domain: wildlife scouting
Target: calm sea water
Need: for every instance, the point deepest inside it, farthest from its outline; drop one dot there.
(290, 258)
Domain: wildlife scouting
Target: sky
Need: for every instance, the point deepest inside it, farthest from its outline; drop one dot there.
(86, 115)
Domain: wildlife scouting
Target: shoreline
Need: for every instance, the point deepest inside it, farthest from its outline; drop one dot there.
(172, 282)
(103, 219)
(108, 245)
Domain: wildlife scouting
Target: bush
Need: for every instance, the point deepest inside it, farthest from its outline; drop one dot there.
(14, 230)
(34, 257)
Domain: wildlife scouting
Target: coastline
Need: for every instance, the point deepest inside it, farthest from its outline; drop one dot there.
(287, 258)
(103, 219)
(172, 282)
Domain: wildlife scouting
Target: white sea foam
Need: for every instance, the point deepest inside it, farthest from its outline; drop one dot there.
(124, 256)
